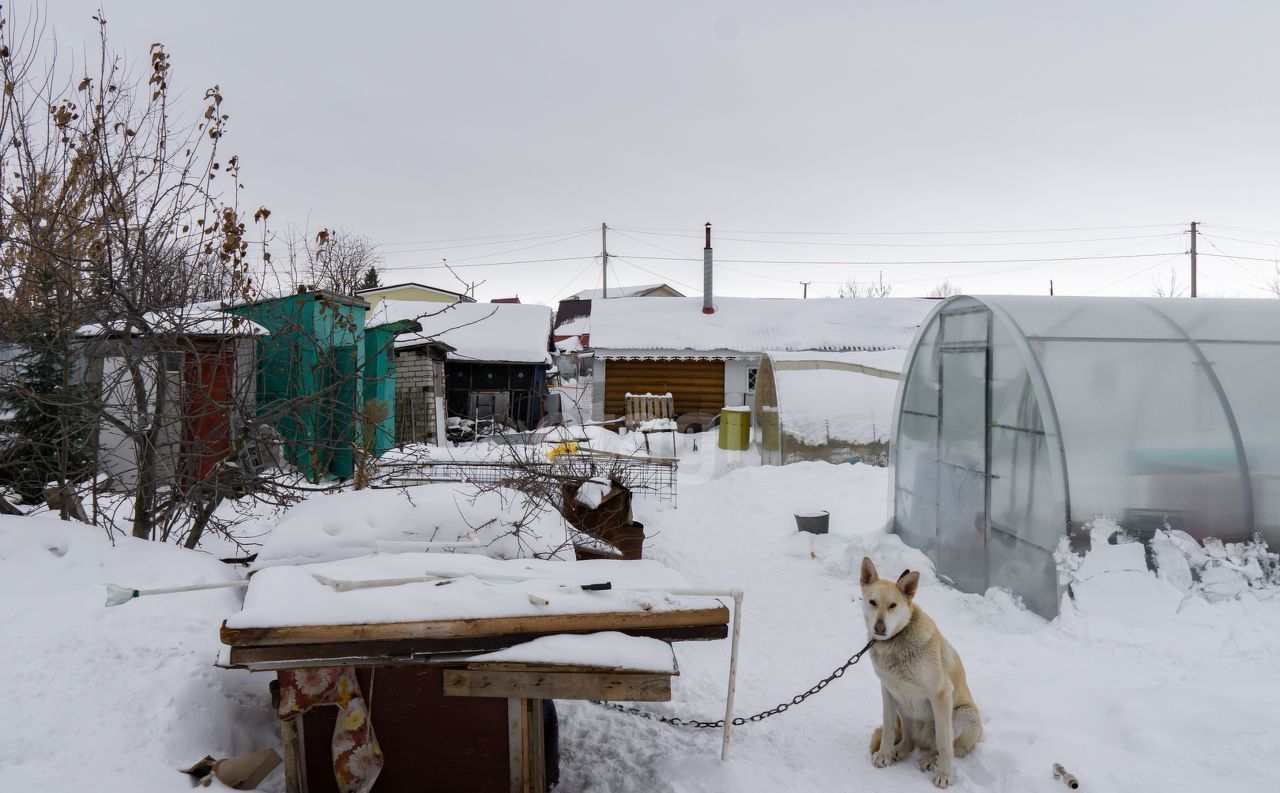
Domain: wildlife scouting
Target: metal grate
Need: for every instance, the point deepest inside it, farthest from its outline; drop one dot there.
(645, 478)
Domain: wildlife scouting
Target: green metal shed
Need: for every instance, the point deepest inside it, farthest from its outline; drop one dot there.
(312, 378)
(380, 381)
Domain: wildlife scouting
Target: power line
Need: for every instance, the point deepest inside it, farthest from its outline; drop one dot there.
(1246, 270)
(555, 241)
(1220, 283)
(483, 264)
(1271, 260)
(665, 278)
(819, 243)
(1245, 229)
(924, 233)
(1135, 274)
(496, 239)
(882, 263)
(556, 298)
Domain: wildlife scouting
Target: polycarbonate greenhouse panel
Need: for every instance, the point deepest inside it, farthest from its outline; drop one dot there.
(1023, 418)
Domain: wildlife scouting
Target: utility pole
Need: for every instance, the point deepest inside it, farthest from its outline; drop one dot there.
(604, 260)
(1194, 225)
(805, 284)
(1050, 287)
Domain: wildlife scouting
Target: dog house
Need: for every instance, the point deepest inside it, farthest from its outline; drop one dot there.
(1020, 419)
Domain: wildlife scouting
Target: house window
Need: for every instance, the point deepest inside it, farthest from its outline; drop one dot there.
(751, 378)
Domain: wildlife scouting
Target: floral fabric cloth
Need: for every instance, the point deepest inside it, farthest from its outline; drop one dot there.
(357, 758)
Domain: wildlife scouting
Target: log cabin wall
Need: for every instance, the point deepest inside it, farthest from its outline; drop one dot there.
(696, 385)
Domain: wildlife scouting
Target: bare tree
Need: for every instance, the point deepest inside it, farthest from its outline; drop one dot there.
(127, 287)
(1171, 287)
(336, 260)
(113, 226)
(944, 288)
(855, 288)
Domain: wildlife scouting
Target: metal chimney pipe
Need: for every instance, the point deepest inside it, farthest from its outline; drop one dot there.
(707, 307)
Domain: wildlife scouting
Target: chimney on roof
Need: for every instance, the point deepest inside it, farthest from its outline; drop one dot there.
(707, 307)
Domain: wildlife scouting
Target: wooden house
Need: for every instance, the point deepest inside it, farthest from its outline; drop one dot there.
(708, 360)
(496, 367)
(198, 367)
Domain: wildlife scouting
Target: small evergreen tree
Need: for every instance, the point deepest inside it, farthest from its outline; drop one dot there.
(370, 279)
(43, 424)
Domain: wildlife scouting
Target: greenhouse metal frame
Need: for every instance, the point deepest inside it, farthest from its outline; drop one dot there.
(1021, 419)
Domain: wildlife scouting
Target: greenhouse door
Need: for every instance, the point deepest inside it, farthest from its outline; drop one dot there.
(962, 450)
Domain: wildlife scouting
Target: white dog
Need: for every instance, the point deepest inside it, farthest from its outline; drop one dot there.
(927, 703)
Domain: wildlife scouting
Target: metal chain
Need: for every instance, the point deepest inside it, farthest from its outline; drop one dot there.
(741, 720)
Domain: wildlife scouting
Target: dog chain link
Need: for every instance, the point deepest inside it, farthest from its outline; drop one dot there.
(741, 720)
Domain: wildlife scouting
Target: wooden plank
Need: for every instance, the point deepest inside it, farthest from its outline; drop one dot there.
(515, 743)
(536, 748)
(514, 667)
(626, 686)
(496, 626)
(382, 653)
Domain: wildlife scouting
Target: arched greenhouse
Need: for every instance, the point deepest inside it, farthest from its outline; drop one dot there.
(830, 406)
(1020, 419)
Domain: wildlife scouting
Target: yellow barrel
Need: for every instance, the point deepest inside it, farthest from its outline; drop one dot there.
(735, 429)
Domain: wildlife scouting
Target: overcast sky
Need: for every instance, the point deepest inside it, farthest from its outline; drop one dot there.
(1108, 125)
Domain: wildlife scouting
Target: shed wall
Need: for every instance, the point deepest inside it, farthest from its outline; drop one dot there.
(698, 386)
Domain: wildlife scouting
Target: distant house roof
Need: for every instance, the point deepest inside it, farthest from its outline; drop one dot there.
(755, 325)
(379, 290)
(501, 332)
(515, 299)
(644, 290)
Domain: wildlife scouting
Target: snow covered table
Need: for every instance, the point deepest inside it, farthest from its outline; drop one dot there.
(454, 658)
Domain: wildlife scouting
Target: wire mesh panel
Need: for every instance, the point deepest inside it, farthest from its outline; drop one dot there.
(656, 479)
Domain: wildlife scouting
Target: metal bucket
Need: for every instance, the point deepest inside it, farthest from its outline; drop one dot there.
(815, 522)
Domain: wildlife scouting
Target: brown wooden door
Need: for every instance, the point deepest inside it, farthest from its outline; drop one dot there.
(698, 386)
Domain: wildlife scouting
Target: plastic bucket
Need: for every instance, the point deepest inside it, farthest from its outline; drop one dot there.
(815, 522)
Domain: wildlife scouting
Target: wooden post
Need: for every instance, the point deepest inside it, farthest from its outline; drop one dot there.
(1194, 226)
(295, 768)
(604, 261)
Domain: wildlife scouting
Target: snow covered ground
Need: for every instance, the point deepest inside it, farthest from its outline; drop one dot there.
(114, 699)
(1130, 694)
(1138, 686)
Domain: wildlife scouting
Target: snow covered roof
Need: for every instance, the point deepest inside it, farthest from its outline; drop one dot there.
(883, 363)
(378, 290)
(570, 344)
(575, 326)
(755, 325)
(619, 291)
(504, 332)
(483, 588)
(197, 320)
(841, 396)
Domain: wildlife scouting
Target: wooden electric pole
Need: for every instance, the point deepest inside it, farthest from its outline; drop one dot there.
(805, 284)
(1193, 257)
(604, 261)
